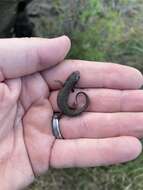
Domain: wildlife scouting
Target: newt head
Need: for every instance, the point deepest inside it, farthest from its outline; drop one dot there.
(75, 76)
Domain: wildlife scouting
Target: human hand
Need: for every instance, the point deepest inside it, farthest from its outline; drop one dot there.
(94, 138)
(25, 109)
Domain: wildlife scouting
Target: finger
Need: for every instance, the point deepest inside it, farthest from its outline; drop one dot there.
(93, 152)
(102, 125)
(19, 57)
(95, 74)
(106, 100)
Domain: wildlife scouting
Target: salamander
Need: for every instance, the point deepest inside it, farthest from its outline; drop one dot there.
(63, 96)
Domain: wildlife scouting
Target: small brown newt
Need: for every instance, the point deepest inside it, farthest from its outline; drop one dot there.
(63, 95)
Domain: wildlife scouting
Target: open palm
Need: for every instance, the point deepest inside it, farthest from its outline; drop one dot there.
(28, 93)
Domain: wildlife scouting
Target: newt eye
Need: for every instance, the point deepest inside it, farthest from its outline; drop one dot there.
(77, 77)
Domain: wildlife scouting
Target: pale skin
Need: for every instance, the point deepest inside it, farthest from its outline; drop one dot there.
(107, 133)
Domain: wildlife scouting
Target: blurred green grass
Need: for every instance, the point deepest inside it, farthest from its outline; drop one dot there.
(108, 31)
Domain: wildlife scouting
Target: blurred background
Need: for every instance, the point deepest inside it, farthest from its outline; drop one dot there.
(101, 30)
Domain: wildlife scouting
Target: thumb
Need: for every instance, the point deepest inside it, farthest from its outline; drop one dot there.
(23, 56)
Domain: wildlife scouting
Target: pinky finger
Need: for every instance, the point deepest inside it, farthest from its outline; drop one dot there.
(94, 152)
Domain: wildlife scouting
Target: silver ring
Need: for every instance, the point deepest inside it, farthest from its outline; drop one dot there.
(56, 127)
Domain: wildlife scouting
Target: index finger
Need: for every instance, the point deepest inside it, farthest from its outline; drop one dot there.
(96, 75)
(24, 56)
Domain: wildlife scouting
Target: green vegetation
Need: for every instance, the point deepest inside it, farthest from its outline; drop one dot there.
(113, 32)
(105, 31)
